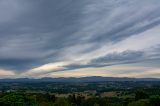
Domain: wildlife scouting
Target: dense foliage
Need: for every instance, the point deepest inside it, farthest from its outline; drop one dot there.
(80, 94)
(24, 99)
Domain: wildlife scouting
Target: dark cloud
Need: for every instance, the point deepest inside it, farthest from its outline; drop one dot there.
(126, 56)
(112, 59)
(33, 33)
(42, 27)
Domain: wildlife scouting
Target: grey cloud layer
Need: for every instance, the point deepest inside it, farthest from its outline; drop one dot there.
(115, 58)
(34, 33)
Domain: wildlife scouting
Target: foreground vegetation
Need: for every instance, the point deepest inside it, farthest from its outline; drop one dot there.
(24, 99)
(80, 94)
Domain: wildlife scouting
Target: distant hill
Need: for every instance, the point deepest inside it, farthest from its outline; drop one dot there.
(81, 79)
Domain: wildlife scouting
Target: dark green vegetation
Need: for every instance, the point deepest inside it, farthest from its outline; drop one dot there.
(111, 93)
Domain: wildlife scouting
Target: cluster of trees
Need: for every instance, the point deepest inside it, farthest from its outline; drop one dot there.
(17, 99)
(25, 99)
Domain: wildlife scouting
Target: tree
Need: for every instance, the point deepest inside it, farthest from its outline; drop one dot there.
(142, 102)
(141, 95)
(155, 100)
(61, 102)
(17, 99)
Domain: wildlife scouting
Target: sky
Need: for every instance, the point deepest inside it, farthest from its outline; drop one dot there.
(78, 38)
